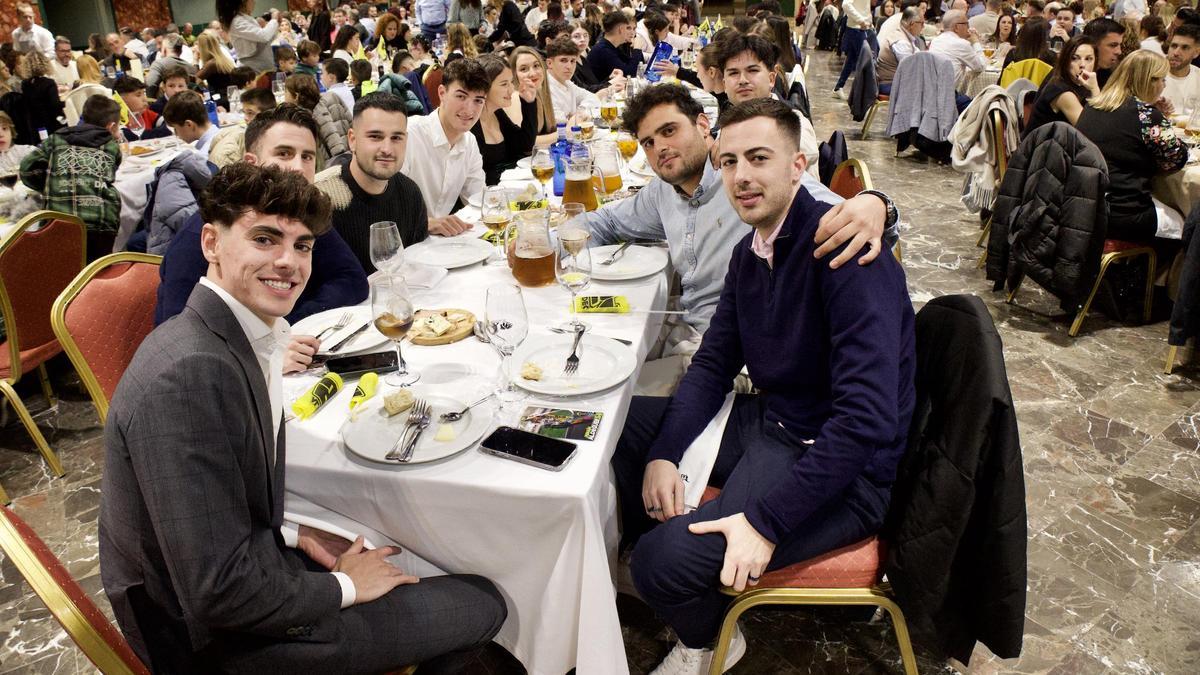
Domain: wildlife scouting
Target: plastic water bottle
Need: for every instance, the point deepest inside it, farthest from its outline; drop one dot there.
(42, 135)
(212, 109)
(320, 79)
(559, 151)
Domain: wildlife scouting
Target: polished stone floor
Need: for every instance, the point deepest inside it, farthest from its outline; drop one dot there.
(1111, 464)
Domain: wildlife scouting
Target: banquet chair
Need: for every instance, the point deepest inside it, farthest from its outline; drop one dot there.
(99, 640)
(102, 317)
(1000, 160)
(850, 178)
(35, 265)
(1114, 250)
(881, 101)
(850, 575)
(431, 80)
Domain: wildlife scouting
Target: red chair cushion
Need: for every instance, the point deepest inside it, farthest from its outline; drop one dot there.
(883, 97)
(858, 565)
(1117, 245)
(30, 358)
(74, 593)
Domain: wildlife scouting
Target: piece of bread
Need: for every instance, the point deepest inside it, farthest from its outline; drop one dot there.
(398, 401)
(531, 371)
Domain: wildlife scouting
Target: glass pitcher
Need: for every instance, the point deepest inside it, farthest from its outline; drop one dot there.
(530, 250)
(606, 167)
(579, 187)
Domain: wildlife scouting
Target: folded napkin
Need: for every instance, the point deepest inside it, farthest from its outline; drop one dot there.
(699, 458)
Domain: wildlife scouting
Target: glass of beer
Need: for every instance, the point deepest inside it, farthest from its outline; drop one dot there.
(496, 215)
(573, 268)
(587, 123)
(608, 109)
(627, 144)
(542, 165)
(530, 253)
(579, 187)
(392, 309)
(606, 167)
(988, 52)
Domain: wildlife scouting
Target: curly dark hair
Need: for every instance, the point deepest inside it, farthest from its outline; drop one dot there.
(242, 187)
(639, 106)
(763, 49)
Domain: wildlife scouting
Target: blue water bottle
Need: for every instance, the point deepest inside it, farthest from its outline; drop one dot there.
(212, 109)
(559, 151)
(661, 53)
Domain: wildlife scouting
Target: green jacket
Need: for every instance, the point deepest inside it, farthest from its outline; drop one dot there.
(74, 169)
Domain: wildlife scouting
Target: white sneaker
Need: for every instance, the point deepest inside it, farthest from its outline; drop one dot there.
(839, 94)
(687, 661)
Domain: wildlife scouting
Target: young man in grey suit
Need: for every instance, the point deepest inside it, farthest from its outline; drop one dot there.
(191, 553)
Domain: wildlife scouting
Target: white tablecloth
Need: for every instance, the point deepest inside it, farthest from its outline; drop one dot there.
(548, 540)
(133, 176)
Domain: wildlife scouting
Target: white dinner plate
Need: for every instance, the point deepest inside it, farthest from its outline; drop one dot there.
(636, 262)
(525, 163)
(603, 363)
(359, 314)
(450, 252)
(373, 433)
(639, 166)
(154, 152)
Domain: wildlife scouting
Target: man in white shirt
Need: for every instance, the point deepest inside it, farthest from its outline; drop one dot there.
(984, 24)
(562, 57)
(536, 15)
(892, 52)
(1134, 9)
(66, 73)
(28, 36)
(1183, 81)
(443, 156)
(134, 44)
(961, 45)
(859, 28)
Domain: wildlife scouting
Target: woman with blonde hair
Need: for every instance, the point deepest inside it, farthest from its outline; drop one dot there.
(217, 69)
(532, 107)
(1138, 143)
(89, 70)
(90, 84)
(458, 40)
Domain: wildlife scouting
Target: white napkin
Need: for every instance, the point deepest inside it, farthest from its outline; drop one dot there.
(698, 460)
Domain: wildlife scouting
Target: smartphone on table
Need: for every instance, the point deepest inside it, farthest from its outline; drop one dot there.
(356, 365)
(551, 454)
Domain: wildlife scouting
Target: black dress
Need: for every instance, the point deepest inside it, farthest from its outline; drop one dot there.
(499, 157)
(1042, 112)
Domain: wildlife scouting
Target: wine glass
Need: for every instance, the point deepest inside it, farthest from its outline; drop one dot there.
(573, 268)
(392, 309)
(387, 248)
(542, 166)
(507, 326)
(497, 215)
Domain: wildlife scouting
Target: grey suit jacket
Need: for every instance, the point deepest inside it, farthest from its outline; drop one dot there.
(190, 552)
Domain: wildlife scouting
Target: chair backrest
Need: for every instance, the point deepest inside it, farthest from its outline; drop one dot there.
(72, 608)
(850, 178)
(431, 81)
(35, 266)
(1035, 70)
(999, 124)
(1027, 101)
(73, 104)
(102, 317)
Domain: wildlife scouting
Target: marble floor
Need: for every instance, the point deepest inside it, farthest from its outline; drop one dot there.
(1111, 462)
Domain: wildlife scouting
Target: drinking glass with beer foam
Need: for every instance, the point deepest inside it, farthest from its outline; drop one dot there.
(497, 214)
(392, 307)
(573, 267)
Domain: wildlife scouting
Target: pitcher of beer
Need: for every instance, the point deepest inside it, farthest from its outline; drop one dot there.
(606, 167)
(530, 251)
(578, 187)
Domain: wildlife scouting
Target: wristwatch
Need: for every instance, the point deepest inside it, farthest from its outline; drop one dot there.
(892, 214)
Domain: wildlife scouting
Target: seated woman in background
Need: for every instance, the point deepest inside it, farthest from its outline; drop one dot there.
(217, 70)
(1004, 38)
(532, 107)
(584, 76)
(1138, 143)
(1068, 88)
(1033, 42)
(459, 41)
(388, 34)
(347, 44)
(501, 142)
(39, 93)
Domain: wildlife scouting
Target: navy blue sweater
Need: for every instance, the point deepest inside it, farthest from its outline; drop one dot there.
(605, 58)
(832, 353)
(337, 279)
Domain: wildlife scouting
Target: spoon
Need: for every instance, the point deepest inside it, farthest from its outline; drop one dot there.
(456, 416)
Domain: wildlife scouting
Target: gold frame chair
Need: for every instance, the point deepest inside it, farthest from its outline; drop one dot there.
(58, 321)
(856, 165)
(879, 102)
(1106, 260)
(6, 310)
(1002, 166)
(68, 614)
(879, 595)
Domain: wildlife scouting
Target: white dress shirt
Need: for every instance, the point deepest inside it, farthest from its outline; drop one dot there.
(967, 57)
(35, 39)
(890, 30)
(567, 96)
(268, 344)
(66, 75)
(138, 47)
(443, 172)
(533, 19)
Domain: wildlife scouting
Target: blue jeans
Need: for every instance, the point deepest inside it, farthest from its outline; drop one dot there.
(676, 572)
(852, 40)
(431, 31)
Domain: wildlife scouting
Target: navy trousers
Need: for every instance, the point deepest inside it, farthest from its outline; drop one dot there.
(852, 39)
(676, 572)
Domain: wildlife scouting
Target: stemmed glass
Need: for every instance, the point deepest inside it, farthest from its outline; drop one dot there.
(497, 215)
(573, 268)
(542, 166)
(392, 309)
(387, 248)
(507, 326)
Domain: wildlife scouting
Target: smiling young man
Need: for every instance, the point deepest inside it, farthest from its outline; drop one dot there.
(191, 554)
(370, 188)
(444, 161)
(805, 465)
(1183, 82)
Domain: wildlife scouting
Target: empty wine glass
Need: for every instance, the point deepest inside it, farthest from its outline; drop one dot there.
(387, 247)
(507, 325)
(497, 215)
(573, 268)
(392, 309)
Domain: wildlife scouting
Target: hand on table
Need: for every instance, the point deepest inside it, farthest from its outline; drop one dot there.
(372, 574)
(300, 353)
(665, 68)
(747, 552)
(860, 221)
(323, 547)
(448, 226)
(662, 490)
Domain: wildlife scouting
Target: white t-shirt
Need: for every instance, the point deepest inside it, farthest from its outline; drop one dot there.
(1179, 89)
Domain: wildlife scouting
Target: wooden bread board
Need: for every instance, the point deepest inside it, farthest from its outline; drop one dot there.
(461, 329)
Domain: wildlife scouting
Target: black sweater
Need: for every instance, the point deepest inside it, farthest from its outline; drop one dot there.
(354, 210)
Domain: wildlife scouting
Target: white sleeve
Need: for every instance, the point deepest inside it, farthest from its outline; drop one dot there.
(475, 179)
(349, 593)
(854, 17)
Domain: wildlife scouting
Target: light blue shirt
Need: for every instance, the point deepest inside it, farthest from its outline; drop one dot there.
(700, 230)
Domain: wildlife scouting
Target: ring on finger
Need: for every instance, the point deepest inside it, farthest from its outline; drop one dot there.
(752, 578)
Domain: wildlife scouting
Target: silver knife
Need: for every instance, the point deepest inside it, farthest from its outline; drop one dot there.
(616, 254)
(342, 343)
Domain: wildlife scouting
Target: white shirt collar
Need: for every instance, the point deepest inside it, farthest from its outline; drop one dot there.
(203, 142)
(256, 330)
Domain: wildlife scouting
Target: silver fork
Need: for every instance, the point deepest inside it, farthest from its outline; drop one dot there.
(573, 359)
(426, 418)
(341, 323)
(414, 416)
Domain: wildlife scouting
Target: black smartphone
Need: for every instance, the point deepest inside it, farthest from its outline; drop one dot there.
(358, 364)
(551, 454)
